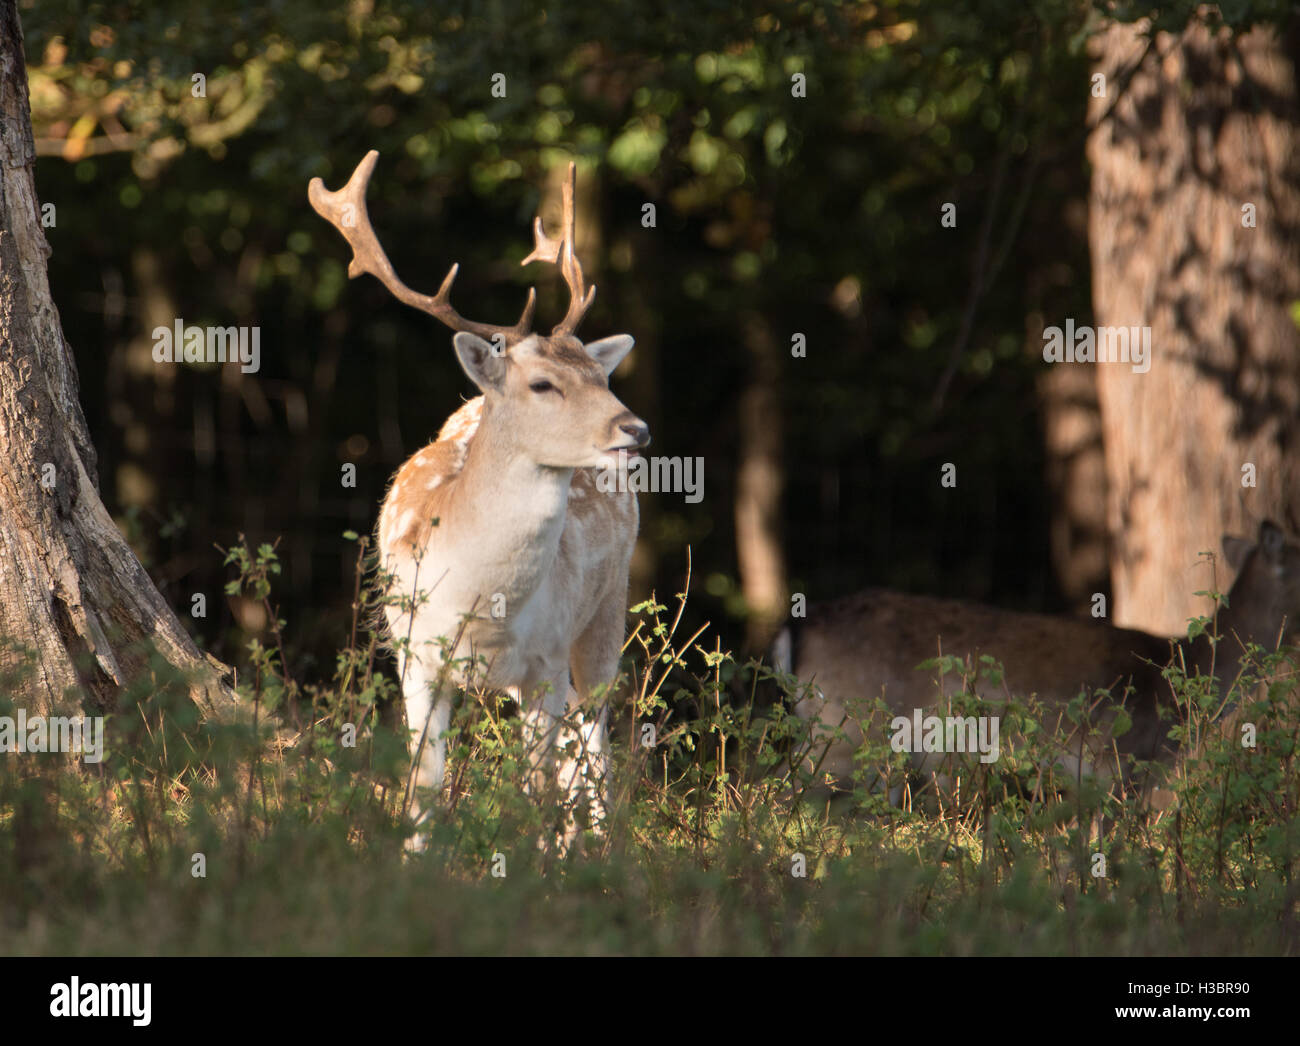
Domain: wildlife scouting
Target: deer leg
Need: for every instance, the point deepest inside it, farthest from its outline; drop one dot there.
(545, 731)
(582, 768)
(594, 662)
(427, 716)
(543, 719)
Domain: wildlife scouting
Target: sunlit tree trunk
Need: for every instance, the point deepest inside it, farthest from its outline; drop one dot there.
(760, 476)
(71, 591)
(1194, 223)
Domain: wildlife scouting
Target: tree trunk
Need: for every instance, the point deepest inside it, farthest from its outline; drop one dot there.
(760, 475)
(79, 616)
(1204, 129)
(1076, 479)
(1073, 453)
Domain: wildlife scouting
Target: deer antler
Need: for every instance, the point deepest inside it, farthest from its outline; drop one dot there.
(368, 255)
(549, 250)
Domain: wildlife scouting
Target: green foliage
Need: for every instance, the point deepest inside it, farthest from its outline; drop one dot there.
(301, 827)
(776, 213)
(780, 214)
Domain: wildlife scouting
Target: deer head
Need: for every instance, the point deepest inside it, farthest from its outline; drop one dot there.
(550, 394)
(1265, 596)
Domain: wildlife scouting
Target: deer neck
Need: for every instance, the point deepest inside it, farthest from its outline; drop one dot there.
(1252, 615)
(509, 513)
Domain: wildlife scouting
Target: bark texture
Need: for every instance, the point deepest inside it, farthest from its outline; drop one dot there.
(79, 617)
(1206, 126)
(1076, 477)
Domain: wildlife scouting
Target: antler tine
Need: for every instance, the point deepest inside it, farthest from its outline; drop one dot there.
(345, 209)
(561, 251)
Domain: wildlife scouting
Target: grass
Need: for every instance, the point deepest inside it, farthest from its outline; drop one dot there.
(277, 835)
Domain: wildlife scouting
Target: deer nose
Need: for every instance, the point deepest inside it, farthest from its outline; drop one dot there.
(638, 430)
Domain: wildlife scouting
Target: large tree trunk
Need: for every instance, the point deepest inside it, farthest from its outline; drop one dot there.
(1076, 479)
(1204, 128)
(1073, 453)
(71, 591)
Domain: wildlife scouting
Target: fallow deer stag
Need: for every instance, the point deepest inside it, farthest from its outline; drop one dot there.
(504, 551)
(869, 644)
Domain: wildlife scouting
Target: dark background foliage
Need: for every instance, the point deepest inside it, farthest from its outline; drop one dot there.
(776, 215)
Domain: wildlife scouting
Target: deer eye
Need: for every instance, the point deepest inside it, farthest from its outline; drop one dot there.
(542, 385)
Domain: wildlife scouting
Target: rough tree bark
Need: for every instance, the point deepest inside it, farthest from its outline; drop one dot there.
(1074, 456)
(71, 591)
(1076, 478)
(1205, 127)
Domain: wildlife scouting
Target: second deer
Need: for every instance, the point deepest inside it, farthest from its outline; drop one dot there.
(869, 645)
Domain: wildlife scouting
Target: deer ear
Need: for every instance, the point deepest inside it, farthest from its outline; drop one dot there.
(481, 360)
(1271, 540)
(1235, 550)
(609, 352)
(781, 653)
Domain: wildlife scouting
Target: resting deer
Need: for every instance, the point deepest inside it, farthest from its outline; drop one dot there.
(870, 644)
(496, 533)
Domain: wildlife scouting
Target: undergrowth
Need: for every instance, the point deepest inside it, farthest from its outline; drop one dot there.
(284, 831)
